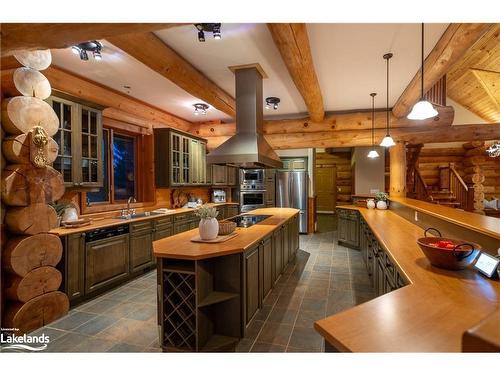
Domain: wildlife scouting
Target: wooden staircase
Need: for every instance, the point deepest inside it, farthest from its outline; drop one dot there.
(452, 190)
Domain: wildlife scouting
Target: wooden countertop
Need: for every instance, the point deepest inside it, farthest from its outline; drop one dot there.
(485, 224)
(181, 247)
(429, 315)
(111, 221)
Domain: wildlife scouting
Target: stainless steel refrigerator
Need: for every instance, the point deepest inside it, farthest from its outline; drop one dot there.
(292, 191)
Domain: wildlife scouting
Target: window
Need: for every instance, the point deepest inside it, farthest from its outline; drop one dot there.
(119, 181)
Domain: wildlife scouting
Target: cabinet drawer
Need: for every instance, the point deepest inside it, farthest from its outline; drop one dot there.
(141, 225)
(167, 220)
(184, 217)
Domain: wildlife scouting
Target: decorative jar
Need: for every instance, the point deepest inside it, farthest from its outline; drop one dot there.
(370, 203)
(382, 205)
(209, 228)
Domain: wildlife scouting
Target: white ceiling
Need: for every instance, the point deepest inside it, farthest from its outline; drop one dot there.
(347, 57)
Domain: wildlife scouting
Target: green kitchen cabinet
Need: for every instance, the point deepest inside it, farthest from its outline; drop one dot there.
(251, 268)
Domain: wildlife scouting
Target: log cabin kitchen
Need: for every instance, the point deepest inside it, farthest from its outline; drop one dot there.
(250, 187)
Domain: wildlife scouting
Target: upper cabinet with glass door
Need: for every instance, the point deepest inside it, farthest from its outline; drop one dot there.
(79, 138)
(180, 159)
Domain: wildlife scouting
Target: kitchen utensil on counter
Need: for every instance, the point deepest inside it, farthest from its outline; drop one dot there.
(448, 253)
(226, 227)
(76, 223)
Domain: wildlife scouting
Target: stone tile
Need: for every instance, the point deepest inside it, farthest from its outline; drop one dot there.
(94, 345)
(124, 294)
(275, 333)
(321, 268)
(263, 312)
(147, 297)
(122, 309)
(52, 333)
(324, 275)
(66, 343)
(313, 304)
(271, 298)
(125, 348)
(282, 315)
(72, 321)
(244, 346)
(290, 349)
(96, 325)
(319, 283)
(143, 312)
(363, 296)
(306, 338)
(306, 318)
(333, 306)
(98, 307)
(316, 292)
(254, 329)
(263, 347)
(289, 301)
(131, 331)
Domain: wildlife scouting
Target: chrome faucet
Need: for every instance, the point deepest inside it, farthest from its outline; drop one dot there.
(131, 199)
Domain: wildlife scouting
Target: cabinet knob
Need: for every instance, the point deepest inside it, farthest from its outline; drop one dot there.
(83, 234)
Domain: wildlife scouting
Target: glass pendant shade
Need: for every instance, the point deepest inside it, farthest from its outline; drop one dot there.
(373, 154)
(387, 141)
(422, 110)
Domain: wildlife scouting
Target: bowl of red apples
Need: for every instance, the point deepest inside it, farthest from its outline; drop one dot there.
(447, 253)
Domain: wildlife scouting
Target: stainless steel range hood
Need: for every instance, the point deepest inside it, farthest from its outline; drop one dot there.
(248, 148)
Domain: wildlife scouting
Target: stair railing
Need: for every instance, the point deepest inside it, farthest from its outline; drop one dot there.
(460, 189)
(421, 189)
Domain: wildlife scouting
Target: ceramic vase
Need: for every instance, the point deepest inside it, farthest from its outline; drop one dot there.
(69, 214)
(382, 205)
(370, 203)
(209, 228)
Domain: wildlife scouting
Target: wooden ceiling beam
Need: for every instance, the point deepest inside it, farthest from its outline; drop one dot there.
(360, 120)
(23, 36)
(449, 49)
(117, 105)
(352, 138)
(293, 43)
(154, 53)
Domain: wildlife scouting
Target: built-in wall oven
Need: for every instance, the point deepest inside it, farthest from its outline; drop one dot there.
(252, 199)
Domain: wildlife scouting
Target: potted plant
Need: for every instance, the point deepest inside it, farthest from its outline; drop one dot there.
(209, 226)
(381, 199)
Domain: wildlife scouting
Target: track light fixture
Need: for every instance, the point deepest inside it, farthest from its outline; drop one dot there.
(200, 109)
(272, 102)
(214, 28)
(84, 48)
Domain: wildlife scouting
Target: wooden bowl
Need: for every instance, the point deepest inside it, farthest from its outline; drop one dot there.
(226, 227)
(460, 254)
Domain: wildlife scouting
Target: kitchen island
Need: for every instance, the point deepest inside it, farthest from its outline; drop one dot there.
(420, 308)
(208, 293)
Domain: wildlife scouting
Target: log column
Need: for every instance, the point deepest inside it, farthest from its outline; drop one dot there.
(474, 159)
(397, 170)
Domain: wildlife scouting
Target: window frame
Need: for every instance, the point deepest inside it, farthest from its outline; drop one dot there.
(112, 204)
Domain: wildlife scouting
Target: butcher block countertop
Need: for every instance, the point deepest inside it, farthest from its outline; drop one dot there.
(110, 222)
(180, 246)
(428, 315)
(487, 225)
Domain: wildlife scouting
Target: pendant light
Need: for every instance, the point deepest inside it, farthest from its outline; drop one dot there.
(373, 154)
(423, 109)
(387, 141)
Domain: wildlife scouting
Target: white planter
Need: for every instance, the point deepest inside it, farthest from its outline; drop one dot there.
(69, 214)
(382, 205)
(209, 228)
(370, 203)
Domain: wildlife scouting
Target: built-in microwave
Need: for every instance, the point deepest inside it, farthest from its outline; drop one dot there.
(250, 200)
(251, 176)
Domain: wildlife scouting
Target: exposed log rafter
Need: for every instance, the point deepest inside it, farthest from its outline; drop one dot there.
(293, 43)
(21, 36)
(450, 48)
(154, 53)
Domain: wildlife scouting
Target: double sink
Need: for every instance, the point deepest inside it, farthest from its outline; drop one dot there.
(135, 216)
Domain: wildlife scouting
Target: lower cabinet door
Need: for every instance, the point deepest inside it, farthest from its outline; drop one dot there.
(74, 266)
(181, 227)
(252, 295)
(106, 262)
(267, 254)
(287, 244)
(277, 260)
(141, 251)
(162, 232)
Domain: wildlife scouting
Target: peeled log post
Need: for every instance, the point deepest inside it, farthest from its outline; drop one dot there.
(25, 82)
(473, 144)
(398, 170)
(37, 282)
(36, 59)
(479, 151)
(16, 149)
(21, 113)
(37, 312)
(33, 219)
(23, 254)
(23, 185)
(476, 178)
(474, 160)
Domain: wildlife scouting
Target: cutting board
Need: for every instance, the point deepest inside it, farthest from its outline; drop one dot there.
(219, 239)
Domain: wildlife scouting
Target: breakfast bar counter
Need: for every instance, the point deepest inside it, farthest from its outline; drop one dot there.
(429, 314)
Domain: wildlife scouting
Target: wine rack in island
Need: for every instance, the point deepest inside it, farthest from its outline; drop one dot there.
(200, 306)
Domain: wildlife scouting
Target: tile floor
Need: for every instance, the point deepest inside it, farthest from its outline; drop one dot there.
(327, 278)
